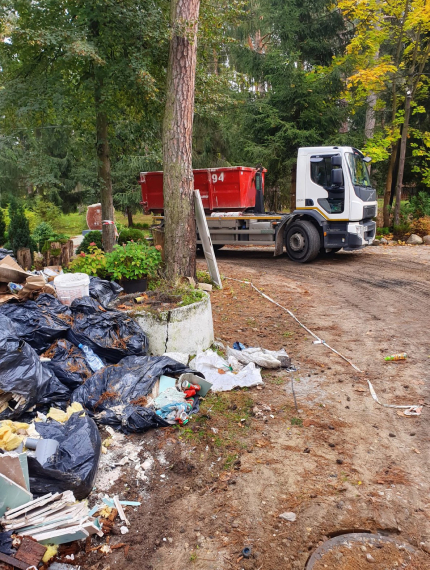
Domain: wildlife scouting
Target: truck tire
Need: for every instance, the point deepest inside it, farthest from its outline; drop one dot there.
(302, 241)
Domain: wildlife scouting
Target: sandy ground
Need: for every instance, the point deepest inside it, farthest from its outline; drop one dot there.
(340, 463)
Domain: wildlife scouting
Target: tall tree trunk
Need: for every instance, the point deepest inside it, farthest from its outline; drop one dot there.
(402, 155)
(104, 177)
(369, 127)
(178, 185)
(388, 184)
(129, 217)
(103, 152)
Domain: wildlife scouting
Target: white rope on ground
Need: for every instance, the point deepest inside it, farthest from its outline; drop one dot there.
(413, 410)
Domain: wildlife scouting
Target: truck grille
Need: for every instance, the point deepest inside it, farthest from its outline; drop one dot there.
(369, 212)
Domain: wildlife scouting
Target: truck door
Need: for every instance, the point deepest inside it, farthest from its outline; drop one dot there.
(326, 186)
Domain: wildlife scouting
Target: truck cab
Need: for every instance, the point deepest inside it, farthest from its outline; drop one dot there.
(333, 189)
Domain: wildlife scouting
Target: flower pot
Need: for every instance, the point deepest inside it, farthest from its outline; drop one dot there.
(134, 285)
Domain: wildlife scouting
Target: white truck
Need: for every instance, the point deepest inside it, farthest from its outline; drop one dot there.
(334, 204)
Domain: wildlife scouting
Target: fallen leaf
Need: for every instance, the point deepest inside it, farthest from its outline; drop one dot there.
(416, 450)
(359, 389)
(221, 371)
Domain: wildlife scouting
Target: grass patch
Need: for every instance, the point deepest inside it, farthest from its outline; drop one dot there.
(287, 334)
(297, 422)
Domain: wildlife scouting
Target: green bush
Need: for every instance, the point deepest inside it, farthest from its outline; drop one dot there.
(132, 261)
(382, 231)
(91, 237)
(419, 206)
(130, 234)
(42, 233)
(91, 263)
(2, 228)
(46, 211)
(19, 228)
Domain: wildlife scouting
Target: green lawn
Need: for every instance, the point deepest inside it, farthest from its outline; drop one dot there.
(73, 224)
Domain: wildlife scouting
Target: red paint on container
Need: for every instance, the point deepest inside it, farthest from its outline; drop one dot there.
(221, 189)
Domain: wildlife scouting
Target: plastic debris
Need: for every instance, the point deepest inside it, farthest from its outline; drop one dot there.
(395, 357)
(261, 357)
(209, 364)
(117, 395)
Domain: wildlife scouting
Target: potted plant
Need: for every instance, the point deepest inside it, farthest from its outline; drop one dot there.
(130, 264)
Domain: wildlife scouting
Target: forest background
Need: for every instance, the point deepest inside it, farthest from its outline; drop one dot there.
(272, 76)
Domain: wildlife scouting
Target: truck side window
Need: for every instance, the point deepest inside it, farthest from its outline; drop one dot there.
(321, 175)
(321, 172)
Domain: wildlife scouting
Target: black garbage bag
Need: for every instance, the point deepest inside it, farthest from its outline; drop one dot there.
(68, 363)
(111, 334)
(53, 306)
(37, 325)
(115, 393)
(28, 382)
(5, 252)
(74, 465)
(104, 291)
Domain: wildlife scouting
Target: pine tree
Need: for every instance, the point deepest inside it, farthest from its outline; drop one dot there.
(19, 228)
(2, 228)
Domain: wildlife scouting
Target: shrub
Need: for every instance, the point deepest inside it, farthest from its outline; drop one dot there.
(2, 228)
(91, 237)
(46, 211)
(382, 231)
(419, 205)
(19, 228)
(130, 234)
(140, 226)
(92, 263)
(42, 233)
(421, 226)
(132, 261)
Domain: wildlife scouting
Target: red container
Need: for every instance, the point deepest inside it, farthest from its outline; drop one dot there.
(221, 189)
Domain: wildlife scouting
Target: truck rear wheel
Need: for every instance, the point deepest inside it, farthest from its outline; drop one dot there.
(302, 241)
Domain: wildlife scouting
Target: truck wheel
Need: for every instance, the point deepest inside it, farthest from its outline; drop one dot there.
(302, 241)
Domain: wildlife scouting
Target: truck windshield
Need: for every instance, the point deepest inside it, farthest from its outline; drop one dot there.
(358, 170)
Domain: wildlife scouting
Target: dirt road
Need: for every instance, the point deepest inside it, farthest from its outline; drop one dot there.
(340, 463)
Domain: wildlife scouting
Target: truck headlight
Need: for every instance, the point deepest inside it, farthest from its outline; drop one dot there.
(360, 230)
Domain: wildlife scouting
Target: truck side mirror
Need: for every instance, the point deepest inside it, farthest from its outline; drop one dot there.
(337, 177)
(336, 160)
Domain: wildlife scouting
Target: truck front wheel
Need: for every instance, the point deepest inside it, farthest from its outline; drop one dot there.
(302, 241)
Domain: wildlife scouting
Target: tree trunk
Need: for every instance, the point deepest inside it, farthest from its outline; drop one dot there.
(104, 177)
(369, 127)
(388, 184)
(103, 153)
(178, 185)
(129, 217)
(402, 155)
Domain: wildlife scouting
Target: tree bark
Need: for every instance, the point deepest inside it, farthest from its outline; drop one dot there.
(129, 217)
(103, 152)
(402, 155)
(178, 185)
(388, 184)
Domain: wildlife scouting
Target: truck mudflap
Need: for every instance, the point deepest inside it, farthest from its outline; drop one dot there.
(349, 235)
(280, 234)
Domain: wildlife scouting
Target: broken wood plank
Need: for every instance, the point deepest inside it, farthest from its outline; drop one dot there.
(30, 551)
(13, 561)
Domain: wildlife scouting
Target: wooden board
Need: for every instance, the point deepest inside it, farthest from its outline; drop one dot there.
(205, 238)
(30, 551)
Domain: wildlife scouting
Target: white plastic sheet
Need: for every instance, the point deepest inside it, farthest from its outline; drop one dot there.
(261, 357)
(217, 371)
